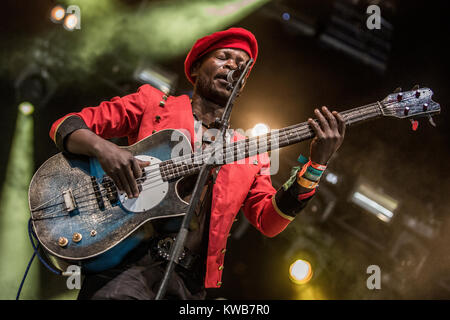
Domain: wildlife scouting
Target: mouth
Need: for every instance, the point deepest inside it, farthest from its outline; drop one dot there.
(221, 76)
(222, 83)
(222, 80)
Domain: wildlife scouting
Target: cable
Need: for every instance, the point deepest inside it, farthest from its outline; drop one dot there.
(31, 234)
(25, 275)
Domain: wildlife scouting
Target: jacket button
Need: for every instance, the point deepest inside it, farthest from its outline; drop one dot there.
(162, 103)
(165, 97)
(154, 131)
(221, 268)
(223, 251)
(157, 118)
(219, 283)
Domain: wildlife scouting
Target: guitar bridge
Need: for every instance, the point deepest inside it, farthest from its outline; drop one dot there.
(69, 200)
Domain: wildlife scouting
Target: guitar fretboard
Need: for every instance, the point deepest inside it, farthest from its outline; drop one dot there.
(227, 153)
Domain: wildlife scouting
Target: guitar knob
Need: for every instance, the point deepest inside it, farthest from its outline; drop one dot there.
(417, 93)
(400, 97)
(77, 237)
(425, 106)
(406, 111)
(62, 241)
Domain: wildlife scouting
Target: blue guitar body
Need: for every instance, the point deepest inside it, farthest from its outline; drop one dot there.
(80, 218)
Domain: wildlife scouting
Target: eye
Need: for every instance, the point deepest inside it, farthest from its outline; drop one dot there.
(221, 57)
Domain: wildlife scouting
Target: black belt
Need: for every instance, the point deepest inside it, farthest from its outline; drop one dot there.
(160, 248)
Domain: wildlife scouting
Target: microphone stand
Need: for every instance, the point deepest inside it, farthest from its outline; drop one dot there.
(178, 245)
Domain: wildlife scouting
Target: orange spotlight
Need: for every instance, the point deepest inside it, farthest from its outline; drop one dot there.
(259, 129)
(57, 14)
(300, 272)
(70, 22)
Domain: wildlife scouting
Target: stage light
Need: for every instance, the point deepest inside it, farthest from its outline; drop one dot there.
(70, 22)
(381, 205)
(286, 16)
(331, 178)
(57, 14)
(15, 246)
(300, 272)
(259, 129)
(157, 77)
(26, 108)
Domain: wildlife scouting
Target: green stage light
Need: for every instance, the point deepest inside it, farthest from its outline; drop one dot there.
(26, 108)
(15, 246)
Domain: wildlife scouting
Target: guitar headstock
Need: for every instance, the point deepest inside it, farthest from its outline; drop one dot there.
(412, 104)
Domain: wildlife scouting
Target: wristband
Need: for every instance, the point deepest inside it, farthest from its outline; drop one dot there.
(302, 159)
(313, 171)
(308, 175)
(308, 184)
(318, 166)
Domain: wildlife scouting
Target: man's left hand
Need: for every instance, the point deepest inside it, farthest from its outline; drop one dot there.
(329, 132)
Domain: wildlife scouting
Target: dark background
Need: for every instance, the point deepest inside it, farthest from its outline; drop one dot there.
(293, 75)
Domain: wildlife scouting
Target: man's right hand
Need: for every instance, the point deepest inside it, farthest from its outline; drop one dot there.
(121, 166)
(117, 163)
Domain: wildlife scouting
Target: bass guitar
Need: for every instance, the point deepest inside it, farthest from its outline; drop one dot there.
(80, 217)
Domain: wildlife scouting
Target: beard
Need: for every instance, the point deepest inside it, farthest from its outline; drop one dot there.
(207, 88)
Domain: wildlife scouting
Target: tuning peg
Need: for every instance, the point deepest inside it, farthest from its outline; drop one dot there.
(416, 87)
(430, 119)
(414, 124)
(399, 89)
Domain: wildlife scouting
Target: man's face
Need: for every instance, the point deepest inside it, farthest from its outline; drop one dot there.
(211, 73)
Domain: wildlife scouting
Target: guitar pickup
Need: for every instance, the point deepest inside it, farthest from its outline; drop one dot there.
(69, 200)
(111, 191)
(98, 194)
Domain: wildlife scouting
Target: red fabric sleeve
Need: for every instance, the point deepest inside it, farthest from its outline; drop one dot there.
(260, 207)
(118, 117)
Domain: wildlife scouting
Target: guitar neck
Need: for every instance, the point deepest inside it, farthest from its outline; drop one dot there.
(276, 139)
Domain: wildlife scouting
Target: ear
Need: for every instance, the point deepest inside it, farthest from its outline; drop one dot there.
(194, 69)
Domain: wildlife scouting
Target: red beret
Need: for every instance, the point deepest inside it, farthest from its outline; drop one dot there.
(237, 38)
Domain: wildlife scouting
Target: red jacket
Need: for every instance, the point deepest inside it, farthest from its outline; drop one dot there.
(140, 114)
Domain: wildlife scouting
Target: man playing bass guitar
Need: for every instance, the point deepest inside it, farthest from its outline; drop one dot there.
(231, 187)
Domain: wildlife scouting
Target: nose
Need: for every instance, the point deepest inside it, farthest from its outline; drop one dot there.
(231, 64)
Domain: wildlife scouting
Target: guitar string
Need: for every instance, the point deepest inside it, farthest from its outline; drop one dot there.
(176, 161)
(247, 143)
(283, 138)
(254, 139)
(282, 134)
(375, 107)
(245, 146)
(249, 151)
